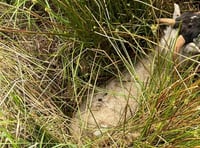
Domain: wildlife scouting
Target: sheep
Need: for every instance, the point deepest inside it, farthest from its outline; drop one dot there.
(118, 101)
(189, 24)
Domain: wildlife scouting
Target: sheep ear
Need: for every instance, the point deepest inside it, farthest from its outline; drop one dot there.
(177, 11)
(166, 21)
(179, 43)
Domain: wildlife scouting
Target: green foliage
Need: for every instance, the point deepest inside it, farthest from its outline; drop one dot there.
(53, 51)
(88, 21)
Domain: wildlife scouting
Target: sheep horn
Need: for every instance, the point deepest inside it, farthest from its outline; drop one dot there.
(179, 44)
(167, 21)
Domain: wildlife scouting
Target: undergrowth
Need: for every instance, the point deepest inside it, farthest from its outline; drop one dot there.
(53, 52)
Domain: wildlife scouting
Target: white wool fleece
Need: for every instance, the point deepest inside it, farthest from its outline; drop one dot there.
(118, 100)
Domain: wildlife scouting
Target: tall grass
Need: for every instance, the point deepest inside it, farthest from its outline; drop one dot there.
(53, 52)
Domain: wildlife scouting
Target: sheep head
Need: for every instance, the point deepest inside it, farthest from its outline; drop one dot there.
(188, 24)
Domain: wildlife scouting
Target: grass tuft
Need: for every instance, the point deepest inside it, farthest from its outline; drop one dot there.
(53, 53)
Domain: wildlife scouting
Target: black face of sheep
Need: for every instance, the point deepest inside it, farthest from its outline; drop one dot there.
(189, 28)
(189, 23)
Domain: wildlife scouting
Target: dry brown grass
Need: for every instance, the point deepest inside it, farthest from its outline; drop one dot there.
(50, 60)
